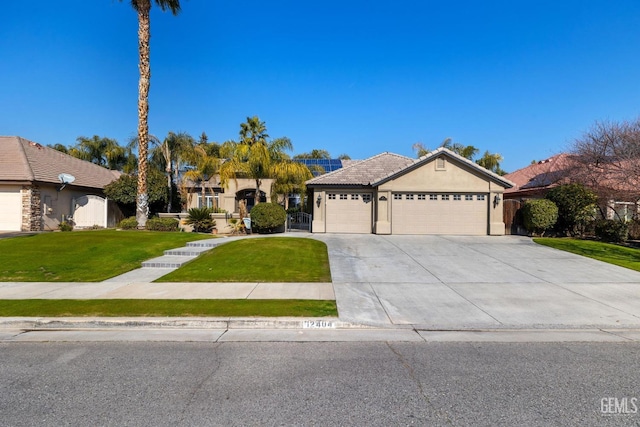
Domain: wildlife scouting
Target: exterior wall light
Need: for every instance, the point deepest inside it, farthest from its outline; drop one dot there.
(319, 200)
(496, 200)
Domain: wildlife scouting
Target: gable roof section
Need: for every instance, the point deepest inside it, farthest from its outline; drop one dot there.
(448, 153)
(24, 160)
(379, 169)
(365, 172)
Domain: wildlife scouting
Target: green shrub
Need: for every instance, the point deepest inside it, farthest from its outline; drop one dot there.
(268, 218)
(611, 230)
(576, 206)
(65, 226)
(200, 219)
(162, 224)
(539, 215)
(128, 223)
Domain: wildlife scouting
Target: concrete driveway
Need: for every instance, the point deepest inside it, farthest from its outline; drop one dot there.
(461, 282)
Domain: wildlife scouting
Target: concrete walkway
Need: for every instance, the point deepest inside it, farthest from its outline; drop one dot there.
(394, 288)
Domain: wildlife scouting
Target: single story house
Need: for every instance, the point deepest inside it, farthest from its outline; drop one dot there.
(41, 187)
(440, 193)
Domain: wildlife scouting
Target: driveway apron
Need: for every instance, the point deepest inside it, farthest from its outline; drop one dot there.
(465, 282)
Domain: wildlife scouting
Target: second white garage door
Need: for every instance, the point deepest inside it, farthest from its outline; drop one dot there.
(349, 212)
(420, 213)
(10, 209)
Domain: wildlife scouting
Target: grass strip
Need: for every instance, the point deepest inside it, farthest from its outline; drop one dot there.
(613, 254)
(83, 256)
(267, 259)
(167, 308)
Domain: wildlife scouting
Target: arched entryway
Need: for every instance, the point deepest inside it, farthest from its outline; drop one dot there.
(249, 196)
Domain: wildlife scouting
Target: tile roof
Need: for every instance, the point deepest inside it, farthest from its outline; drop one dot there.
(365, 172)
(383, 167)
(542, 174)
(565, 168)
(24, 160)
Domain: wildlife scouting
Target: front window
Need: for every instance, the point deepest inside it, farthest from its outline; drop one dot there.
(209, 201)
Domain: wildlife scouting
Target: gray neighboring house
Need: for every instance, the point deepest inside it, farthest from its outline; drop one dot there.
(32, 197)
(440, 193)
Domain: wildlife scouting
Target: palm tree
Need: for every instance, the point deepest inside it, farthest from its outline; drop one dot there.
(420, 149)
(491, 162)
(257, 158)
(206, 167)
(170, 155)
(143, 9)
(466, 151)
(101, 151)
(313, 154)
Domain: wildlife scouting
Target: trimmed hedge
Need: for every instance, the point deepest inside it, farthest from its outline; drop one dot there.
(268, 218)
(130, 223)
(162, 224)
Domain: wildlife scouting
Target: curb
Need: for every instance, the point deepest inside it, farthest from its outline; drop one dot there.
(33, 323)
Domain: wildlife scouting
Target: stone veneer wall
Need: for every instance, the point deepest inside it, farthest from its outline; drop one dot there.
(31, 208)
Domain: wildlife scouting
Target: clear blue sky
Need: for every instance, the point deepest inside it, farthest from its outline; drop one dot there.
(521, 78)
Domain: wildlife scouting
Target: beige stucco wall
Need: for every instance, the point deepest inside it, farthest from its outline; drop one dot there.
(455, 177)
(318, 224)
(227, 200)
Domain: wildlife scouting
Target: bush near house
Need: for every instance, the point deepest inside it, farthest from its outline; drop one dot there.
(539, 215)
(128, 223)
(162, 224)
(576, 206)
(611, 230)
(268, 218)
(65, 226)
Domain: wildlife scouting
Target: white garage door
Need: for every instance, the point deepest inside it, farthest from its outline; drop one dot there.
(10, 209)
(420, 213)
(349, 212)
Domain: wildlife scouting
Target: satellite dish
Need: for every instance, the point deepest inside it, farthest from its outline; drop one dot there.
(66, 178)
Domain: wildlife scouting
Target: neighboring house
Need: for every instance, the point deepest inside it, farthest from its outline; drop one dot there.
(618, 196)
(440, 193)
(33, 198)
(227, 198)
(536, 179)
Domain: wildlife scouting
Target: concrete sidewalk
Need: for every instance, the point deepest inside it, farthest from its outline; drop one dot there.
(169, 290)
(404, 287)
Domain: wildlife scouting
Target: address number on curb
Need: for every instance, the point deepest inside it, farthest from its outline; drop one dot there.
(318, 324)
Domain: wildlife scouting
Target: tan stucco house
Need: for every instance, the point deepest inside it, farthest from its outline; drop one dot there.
(32, 195)
(440, 193)
(229, 197)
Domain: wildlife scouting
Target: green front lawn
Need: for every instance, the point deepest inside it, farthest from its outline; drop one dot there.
(610, 253)
(167, 308)
(269, 259)
(83, 256)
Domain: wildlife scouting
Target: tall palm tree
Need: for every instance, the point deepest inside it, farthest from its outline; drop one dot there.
(143, 9)
(257, 158)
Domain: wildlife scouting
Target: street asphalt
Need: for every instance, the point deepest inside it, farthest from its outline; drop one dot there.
(387, 288)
